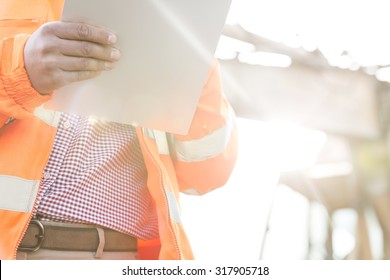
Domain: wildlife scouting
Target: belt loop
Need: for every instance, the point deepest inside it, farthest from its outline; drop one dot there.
(102, 242)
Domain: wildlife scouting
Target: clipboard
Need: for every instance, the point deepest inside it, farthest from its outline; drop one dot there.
(167, 47)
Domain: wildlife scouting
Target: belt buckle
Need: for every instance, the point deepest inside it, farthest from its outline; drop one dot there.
(40, 237)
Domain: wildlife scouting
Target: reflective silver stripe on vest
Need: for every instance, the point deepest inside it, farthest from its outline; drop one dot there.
(206, 147)
(148, 132)
(162, 142)
(17, 194)
(191, 192)
(161, 139)
(174, 211)
(50, 117)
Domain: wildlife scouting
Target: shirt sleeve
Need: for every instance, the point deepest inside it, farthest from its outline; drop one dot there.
(204, 159)
(17, 97)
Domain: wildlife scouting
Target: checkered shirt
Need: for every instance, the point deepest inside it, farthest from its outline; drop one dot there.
(96, 175)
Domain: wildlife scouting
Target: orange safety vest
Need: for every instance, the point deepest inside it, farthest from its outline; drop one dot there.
(196, 163)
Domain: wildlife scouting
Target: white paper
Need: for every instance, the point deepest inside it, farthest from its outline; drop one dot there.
(166, 52)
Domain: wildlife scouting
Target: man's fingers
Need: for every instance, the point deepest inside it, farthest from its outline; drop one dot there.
(83, 75)
(60, 53)
(82, 32)
(88, 49)
(71, 63)
(67, 77)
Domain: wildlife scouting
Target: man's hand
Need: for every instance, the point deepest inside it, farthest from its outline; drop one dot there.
(60, 53)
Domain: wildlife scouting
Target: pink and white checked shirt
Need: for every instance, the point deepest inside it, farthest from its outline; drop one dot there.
(96, 175)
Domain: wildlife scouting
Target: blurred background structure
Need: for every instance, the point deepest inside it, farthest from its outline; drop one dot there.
(309, 81)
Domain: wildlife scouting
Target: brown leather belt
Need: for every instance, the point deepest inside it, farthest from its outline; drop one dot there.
(73, 237)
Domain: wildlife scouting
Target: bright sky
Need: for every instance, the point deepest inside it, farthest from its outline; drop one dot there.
(333, 26)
